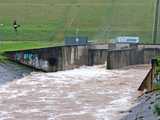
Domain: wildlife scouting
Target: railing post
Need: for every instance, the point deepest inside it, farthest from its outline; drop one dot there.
(154, 63)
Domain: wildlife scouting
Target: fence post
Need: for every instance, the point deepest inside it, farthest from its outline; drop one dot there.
(154, 63)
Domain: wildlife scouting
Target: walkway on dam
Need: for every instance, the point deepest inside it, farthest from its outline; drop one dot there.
(86, 93)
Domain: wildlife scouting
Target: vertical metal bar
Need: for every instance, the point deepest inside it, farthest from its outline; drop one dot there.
(156, 22)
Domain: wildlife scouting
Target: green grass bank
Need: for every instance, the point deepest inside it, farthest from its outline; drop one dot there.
(51, 20)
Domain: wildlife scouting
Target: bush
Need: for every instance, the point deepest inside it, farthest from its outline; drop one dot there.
(157, 109)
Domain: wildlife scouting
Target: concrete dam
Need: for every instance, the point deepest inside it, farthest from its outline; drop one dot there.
(114, 56)
(68, 57)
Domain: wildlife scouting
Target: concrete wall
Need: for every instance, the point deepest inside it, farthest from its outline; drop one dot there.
(52, 59)
(141, 46)
(74, 56)
(97, 56)
(99, 46)
(46, 59)
(147, 83)
(150, 53)
(120, 58)
(122, 46)
(110, 46)
(68, 57)
(115, 58)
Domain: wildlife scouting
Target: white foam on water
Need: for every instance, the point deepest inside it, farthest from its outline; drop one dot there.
(51, 116)
(4, 115)
(45, 91)
(121, 101)
(18, 94)
(94, 91)
(67, 114)
(28, 111)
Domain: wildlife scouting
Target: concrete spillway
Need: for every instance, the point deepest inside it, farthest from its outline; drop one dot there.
(87, 93)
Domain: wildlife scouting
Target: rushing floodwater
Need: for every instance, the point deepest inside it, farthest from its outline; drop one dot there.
(87, 93)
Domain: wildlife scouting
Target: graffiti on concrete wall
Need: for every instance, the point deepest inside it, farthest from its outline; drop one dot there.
(27, 58)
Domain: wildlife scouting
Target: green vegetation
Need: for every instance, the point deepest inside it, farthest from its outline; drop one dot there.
(157, 83)
(158, 65)
(157, 86)
(20, 45)
(2, 58)
(157, 109)
(49, 21)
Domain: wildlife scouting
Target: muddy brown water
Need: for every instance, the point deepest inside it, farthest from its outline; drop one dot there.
(86, 93)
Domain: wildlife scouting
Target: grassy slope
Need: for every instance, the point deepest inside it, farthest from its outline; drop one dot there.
(51, 20)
